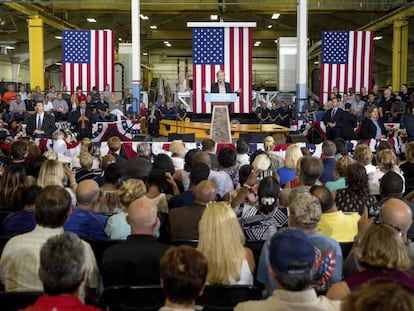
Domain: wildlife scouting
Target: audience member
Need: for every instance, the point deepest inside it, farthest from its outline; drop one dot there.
(261, 221)
(363, 155)
(227, 161)
(62, 270)
(183, 275)
(382, 254)
(13, 184)
(184, 221)
(83, 220)
(177, 150)
(156, 186)
(198, 173)
(140, 166)
(356, 195)
(407, 167)
(18, 152)
(276, 160)
(153, 120)
(117, 227)
(86, 171)
(288, 171)
(83, 117)
(292, 257)
(221, 240)
(341, 148)
(208, 145)
(23, 220)
(380, 295)
(328, 161)
(20, 260)
(109, 202)
(135, 262)
(386, 162)
(115, 146)
(242, 150)
(341, 166)
(304, 214)
(334, 224)
(164, 162)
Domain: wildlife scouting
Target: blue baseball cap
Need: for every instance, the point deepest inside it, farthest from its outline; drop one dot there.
(291, 251)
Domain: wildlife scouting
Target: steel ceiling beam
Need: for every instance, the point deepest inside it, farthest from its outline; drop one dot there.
(41, 12)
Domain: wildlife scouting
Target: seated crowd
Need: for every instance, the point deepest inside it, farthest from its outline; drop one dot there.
(301, 209)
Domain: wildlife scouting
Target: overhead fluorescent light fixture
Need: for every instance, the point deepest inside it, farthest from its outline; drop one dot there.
(145, 53)
(276, 41)
(275, 16)
(168, 44)
(120, 39)
(10, 47)
(153, 27)
(143, 17)
(316, 63)
(257, 43)
(58, 37)
(269, 26)
(213, 17)
(58, 63)
(91, 20)
(377, 38)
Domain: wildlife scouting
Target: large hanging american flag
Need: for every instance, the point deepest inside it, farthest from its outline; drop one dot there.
(88, 59)
(346, 61)
(222, 46)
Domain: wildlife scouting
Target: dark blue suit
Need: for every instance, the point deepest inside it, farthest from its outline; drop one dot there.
(338, 118)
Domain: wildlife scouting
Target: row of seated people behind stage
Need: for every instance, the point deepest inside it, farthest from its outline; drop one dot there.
(258, 200)
(280, 114)
(63, 107)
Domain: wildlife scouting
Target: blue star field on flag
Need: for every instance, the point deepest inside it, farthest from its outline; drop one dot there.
(76, 46)
(208, 46)
(335, 47)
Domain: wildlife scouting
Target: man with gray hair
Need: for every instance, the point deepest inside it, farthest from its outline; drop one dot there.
(304, 214)
(292, 257)
(137, 261)
(83, 220)
(61, 271)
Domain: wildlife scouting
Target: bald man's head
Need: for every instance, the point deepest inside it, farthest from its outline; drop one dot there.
(142, 216)
(206, 191)
(396, 212)
(87, 194)
(202, 157)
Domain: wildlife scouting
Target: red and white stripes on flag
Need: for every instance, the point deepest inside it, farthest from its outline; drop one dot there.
(88, 59)
(347, 58)
(236, 61)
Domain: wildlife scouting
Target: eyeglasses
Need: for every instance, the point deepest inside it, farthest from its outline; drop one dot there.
(390, 225)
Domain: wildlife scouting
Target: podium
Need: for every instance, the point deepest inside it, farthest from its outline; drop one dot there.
(220, 119)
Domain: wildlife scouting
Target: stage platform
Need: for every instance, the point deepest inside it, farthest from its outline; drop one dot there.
(202, 129)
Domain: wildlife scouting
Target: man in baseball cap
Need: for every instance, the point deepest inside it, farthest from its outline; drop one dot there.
(292, 257)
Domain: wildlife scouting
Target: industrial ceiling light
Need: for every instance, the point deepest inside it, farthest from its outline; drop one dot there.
(213, 17)
(10, 47)
(143, 17)
(275, 16)
(120, 39)
(377, 38)
(58, 37)
(91, 20)
(153, 27)
(269, 26)
(145, 53)
(257, 43)
(58, 63)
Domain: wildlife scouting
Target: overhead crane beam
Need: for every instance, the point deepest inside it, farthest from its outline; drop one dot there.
(42, 13)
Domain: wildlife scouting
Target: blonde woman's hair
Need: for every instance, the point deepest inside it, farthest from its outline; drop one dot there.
(386, 160)
(86, 145)
(131, 190)
(383, 247)
(221, 240)
(293, 154)
(86, 160)
(363, 154)
(341, 165)
(409, 153)
(51, 174)
(269, 144)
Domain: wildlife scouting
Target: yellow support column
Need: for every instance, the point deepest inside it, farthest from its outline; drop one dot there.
(36, 52)
(399, 53)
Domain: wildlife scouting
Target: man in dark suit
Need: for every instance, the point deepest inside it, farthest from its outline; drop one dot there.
(83, 118)
(349, 123)
(333, 120)
(41, 124)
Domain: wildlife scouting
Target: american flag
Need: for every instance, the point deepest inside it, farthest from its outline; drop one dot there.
(346, 61)
(222, 48)
(88, 59)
